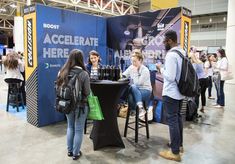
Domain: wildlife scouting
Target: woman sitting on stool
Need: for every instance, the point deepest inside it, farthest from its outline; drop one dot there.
(13, 66)
(140, 89)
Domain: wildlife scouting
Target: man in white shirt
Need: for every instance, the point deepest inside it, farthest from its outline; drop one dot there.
(172, 98)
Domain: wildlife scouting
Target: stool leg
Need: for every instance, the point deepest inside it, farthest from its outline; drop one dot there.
(127, 121)
(8, 95)
(22, 99)
(147, 124)
(17, 102)
(136, 124)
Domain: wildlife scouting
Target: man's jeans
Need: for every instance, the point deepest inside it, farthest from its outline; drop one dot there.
(172, 108)
(75, 129)
(137, 95)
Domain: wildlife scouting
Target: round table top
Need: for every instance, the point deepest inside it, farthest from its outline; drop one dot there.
(109, 82)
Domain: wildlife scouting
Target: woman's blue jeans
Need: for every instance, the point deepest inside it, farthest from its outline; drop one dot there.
(220, 94)
(137, 95)
(75, 129)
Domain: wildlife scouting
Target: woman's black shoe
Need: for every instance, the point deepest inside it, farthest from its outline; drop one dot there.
(76, 157)
(70, 154)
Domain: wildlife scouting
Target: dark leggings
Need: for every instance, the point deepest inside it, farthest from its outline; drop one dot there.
(209, 86)
(203, 84)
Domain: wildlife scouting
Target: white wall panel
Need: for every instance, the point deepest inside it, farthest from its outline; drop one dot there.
(208, 35)
(199, 7)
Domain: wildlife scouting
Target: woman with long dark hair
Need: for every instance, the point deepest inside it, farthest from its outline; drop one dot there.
(76, 118)
(221, 67)
(13, 66)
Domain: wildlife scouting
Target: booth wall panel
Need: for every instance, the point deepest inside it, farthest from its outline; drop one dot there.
(32, 99)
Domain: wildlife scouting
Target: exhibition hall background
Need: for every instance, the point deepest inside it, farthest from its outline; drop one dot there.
(48, 40)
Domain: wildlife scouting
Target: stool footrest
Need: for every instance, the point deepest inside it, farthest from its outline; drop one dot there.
(138, 123)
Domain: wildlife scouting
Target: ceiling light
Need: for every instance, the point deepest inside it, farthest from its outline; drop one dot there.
(13, 5)
(197, 21)
(210, 20)
(3, 10)
(95, 6)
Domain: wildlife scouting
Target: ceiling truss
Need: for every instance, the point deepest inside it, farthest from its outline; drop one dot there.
(96, 7)
(6, 24)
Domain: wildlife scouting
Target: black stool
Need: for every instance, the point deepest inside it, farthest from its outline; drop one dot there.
(137, 123)
(14, 90)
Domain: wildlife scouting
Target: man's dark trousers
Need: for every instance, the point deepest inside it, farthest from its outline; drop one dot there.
(172, 107)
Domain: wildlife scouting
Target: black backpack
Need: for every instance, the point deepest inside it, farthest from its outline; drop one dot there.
(66, 97)
(188, 83)
(191, 111)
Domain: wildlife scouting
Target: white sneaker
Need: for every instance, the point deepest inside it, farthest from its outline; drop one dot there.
(218, 106)
(142, 112)
(150, 114)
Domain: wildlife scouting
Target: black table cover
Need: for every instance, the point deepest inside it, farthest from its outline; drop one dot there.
(106, 133)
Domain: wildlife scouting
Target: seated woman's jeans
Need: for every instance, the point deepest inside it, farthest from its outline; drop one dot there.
(75, 128)
(137, 95)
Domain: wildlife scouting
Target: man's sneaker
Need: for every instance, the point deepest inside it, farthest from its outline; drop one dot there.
(142, 112)
(167, 154)
(181, 147)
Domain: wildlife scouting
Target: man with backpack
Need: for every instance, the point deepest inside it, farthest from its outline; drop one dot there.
(172, 97)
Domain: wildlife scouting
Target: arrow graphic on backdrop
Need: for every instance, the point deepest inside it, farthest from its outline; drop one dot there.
(47, 65)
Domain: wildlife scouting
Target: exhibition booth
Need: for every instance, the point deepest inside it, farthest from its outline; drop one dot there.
(51, 33)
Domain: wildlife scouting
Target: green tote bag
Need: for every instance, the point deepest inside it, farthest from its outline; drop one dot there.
(95, 112)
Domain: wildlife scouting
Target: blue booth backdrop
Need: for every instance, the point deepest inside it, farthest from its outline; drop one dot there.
(58, 31)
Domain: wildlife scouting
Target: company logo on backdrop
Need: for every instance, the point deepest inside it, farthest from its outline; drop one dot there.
(65, 40)
(51, 26)
(48, 65)
(160, 26)
(186, 35)
(30, 42)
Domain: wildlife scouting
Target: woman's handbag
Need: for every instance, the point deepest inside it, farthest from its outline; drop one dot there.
(227, 75)
(95, 112)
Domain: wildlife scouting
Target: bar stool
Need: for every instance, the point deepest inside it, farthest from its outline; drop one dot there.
(16, 93)
(137, 123)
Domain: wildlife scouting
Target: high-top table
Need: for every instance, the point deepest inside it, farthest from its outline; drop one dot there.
(106, 132)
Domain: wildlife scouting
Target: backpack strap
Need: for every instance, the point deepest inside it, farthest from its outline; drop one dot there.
(179, 53)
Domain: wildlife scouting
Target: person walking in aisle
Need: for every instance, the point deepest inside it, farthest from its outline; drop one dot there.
(77, 117)
(172, 98)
